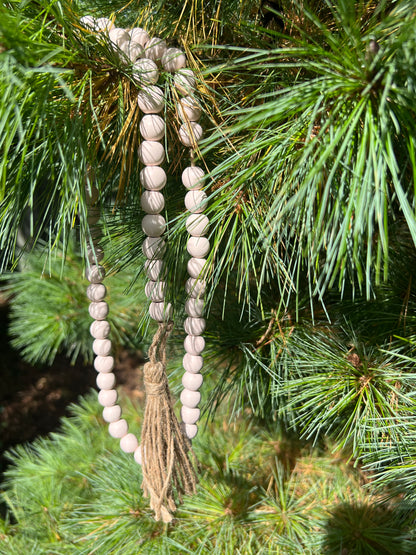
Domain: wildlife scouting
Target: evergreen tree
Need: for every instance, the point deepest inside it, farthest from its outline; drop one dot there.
(309, 111)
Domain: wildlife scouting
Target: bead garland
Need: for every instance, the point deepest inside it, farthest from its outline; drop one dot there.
(147, 54)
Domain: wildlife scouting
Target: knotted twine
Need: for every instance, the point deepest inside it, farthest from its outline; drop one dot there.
(166, 451)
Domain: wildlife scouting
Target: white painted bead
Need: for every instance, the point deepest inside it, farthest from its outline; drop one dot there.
(129, 443)
(154, 269)
(96, 292)
(151, 153)
(193, 177)
(100, 329)
(190, 133)
(188, 109)
(138, 454)
(150, 100)
(198, 247)
(117, 36)
(192, 381)
(173, 60)
(98, 311)
(195, 266)
(133, 50)
(155, 48)
(155, 291)
(95, 255)
(195, 287)
(160, 312)
(184, 81)
(153, 178)
(152, 202)
(197, 225)
(103, 24)
(107, 397)
(194, 345)
(190, 398)
(102, 347)
(195, 201)
(87, 21)
(145, 72)
(139, 35)
(154, 247)
(118, 429)
(153, 225)
(105, 380)
(190, 415)
(194, 307)
(152, 127)
(95, 273)
(192, 363)
(191, 430)
(104, 364)
(194, 326)
(112, 414)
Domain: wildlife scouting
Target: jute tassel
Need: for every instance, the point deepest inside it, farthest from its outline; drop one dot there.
(166, 451)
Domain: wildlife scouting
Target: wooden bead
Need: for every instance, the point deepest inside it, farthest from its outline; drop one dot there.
(195, 266)
(190, 415)
(96, 292)
(145, 72)
(152, 202)
(188, 109)
(190, 133)
(194, 326)
(194, 307)
(107, 397)
(117, 36)
(184, 81)
(155, 291)
(173, 60)
(129, 443)
(102, 347)
(138, 454)
(195, 288)
(191, 430)
(160, 311)
(95, 255)
(190, 398)
(153, 225)
(151, 153)
(197, 225)
(193, 177)
(100, 329)
(103, 24)
(154, 248)
(98, 311)
(118, 429)
(192, 363)
(150, 100)
(194, 345)
(192, 381)
(112, 414)
(104, 364)
(139, 35)
(198, 247)
(153, 178)
(155, 48)
(195, 201)
(87, 21)
(152, 127)
(133, 50)
(154, 269)
(95, 273)
(105, 381)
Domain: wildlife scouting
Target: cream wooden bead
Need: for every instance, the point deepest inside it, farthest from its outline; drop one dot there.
(153, 178)
(194, 307)
(154, 269)
(195, 267)
(138, 454)
(192, 363)
(188, 109)
(107, 397)
(101, 347)
(155, 48)
(151, 153)
(98, 310)
(197, 225)
(195, 287)
(87, 21)
(160, 311)
(173, 60)
(195, 201)
(152, 127)
(191, 430)
(100, 329)
(153, 225)
(139, 35)
(104, 364)
(194, 345)
(198, 247)
(118, 36)
(152, 202)
(133, 50)
(193, 177)
(150, 100)
(105, 380)
(190, 133)
(112, 414)
(190, 415)
(129, 443)
(155, 291)
(118, 429)
(194, 326)
(103, 24)
(154, 248)
(190, 398)
(95, 273)
(96, 292)
(145, 72)
(184, 81)
(95, 255)
(192, 381)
